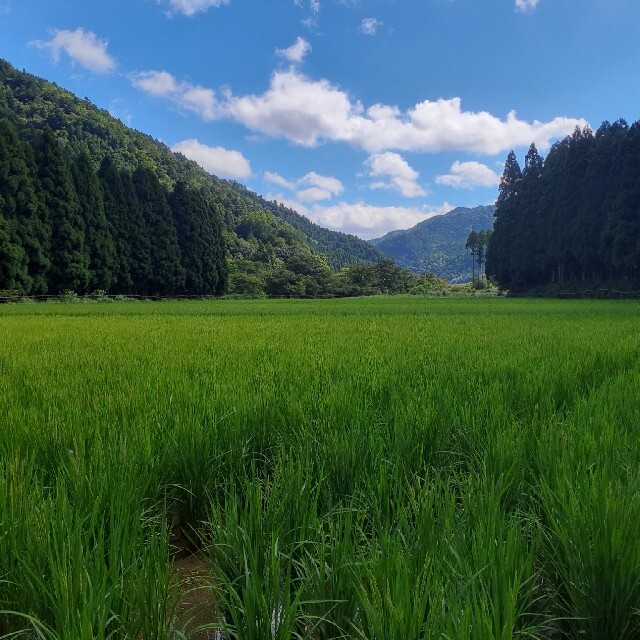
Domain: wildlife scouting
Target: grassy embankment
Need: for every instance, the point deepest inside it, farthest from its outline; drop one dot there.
(375, 468)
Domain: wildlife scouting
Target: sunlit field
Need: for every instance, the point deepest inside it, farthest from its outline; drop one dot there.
(378, 468)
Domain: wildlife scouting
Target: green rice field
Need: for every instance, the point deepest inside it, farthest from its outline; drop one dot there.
(379, 468)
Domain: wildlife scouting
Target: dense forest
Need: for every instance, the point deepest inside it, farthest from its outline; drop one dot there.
(88, 204)
(573, 217)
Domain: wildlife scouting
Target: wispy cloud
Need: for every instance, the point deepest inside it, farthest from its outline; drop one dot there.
(296, 52)
(277, 179)
(525, 6)
(191, 7)
(315, 187)
(82, 47)
(194, 98)
(369, 26)
(221, 162)
(468, 175)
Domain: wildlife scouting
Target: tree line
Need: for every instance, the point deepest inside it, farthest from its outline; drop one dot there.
(67, 224)
(572, 217)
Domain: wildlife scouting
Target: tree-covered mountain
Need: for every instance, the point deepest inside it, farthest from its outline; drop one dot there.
(437, 245)
(573, 217)
(87, 203)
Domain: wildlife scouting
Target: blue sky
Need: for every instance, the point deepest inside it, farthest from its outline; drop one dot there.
(364, 115)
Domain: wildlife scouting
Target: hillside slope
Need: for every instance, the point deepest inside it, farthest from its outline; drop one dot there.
(255, 230)
(436, 245)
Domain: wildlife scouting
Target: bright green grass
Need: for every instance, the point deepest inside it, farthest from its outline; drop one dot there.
(377, 468)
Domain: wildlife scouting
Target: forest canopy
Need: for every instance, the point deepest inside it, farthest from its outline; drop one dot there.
(572, 217)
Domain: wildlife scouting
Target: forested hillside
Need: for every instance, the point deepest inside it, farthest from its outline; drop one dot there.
(87, 203)
(437, 245)
(573, 217)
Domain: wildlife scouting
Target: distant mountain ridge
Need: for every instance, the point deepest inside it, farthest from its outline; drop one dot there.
(436, 245)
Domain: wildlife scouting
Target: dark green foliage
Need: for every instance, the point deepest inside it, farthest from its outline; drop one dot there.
(574, 218)
(128, 238)
(69, 257)
(199, 231)
(341, 249)
(26, 234)
(477, 244)
(117, 201)
(436, 245)
(157, 235)
(98, 232)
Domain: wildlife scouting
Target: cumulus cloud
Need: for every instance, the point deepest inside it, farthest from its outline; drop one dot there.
(361, 219)
(326, 183)
(217, 160)
(369, 221)
(308, 112)
(191, 7)
(526, 5)
(83, 47)
(369, 26)
(296, 52)
(316, 187)
(195, 98)
(313, 194)
(468, 175)
(277, 179)
(395, 173)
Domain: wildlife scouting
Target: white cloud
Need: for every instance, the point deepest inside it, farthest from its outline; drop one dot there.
(369, 221)
(467, 175)
(195, 98)
(317, 187)
(288, 202)
(308, 112)
(221, 162)
(297, 109)
(82, 47)
(313, 194)
(326, 183)
(191, 7)
(296, 52)
(369, 26)
(526, 5)
(364, 220)
(276, 178)
(396, 174)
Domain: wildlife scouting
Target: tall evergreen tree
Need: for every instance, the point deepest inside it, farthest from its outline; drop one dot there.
(98, 238)
(199, 230)
(69, 257)
(26, 233)
(116, 202)
(13, 179)
(499, 256)
(167, 274)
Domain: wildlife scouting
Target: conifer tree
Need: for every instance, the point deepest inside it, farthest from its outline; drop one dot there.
(69, 258)
(115, 205)
(166, 274)
(98, 237)
(499, 256)
(23, 209)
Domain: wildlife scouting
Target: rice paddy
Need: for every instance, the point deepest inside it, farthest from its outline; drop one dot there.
(377, 468)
